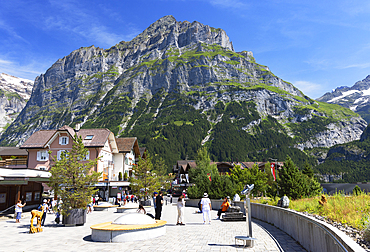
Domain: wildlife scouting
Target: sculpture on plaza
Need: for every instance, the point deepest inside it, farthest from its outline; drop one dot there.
(36, 214)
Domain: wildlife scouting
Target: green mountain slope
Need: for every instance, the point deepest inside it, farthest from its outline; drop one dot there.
(178, 86)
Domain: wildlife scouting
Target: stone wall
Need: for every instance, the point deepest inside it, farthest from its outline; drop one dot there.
(312, 234)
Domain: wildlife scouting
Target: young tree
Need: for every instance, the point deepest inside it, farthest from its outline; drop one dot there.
(72, 177)
(201, 175)
(160, 169)
(145, 180)
(290, 181)
(259, 179)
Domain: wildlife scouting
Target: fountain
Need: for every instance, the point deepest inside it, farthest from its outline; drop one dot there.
(128, 227)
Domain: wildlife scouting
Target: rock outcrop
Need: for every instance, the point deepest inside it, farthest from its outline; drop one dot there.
(14, 93)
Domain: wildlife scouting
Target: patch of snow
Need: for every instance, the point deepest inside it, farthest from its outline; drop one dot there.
(344, 94)
(366, 92)
(18, 85)
(353, 108)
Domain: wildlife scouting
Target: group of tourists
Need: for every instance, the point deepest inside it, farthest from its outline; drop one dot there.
(204, 204)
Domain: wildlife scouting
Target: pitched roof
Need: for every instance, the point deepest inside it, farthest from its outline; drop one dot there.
(37, 139)
(71, 131)
(125, 144)
(100, 136)
(142, 152)
(248, 164)
(12, 151)
(41, 137)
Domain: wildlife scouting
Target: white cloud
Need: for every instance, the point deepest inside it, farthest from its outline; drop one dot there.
(29, 71)
(312, 90)
(78, 21)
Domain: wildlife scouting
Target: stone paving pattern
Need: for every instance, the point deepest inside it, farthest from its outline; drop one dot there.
(194, 236)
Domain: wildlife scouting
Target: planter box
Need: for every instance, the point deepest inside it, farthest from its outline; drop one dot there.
(76, 217)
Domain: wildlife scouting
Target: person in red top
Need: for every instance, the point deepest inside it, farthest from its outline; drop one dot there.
(225, 205)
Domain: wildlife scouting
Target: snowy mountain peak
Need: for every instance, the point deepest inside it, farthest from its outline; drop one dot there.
(356, 98)
(10, 83)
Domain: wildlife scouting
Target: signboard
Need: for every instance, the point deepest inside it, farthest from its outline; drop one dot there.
(120, 188)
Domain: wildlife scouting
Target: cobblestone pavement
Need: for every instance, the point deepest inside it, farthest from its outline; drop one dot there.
(194, 236)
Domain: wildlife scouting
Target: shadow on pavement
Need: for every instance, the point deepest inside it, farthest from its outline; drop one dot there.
(278, 235)
(87, 238)
(225, 245)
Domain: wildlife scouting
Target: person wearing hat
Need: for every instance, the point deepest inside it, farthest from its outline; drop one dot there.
(205, 205)
(46, 207)
(225, 205)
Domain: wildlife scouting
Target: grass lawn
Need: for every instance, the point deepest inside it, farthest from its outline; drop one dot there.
(350, 210)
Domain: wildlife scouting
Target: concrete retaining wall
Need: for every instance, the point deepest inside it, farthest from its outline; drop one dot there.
(312, 234)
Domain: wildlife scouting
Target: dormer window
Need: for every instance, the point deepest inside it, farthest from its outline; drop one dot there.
(89, 137)
(63, 140)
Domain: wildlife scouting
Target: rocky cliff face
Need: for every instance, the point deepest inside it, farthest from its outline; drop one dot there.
(14, 93)
(170, 69)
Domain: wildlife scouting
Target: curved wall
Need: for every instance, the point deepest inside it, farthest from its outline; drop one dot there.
(312, 234)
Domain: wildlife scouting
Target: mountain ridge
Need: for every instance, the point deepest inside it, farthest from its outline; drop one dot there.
(178, 79)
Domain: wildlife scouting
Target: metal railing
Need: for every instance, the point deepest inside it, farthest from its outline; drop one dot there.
(7, 209)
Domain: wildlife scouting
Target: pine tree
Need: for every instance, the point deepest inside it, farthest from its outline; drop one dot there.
(308, 170)
(290, 182)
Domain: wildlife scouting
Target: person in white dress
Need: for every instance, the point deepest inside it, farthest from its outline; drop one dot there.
(206, 207)
(180, 210)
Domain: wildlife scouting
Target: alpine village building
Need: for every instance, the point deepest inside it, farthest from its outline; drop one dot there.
(24, 170)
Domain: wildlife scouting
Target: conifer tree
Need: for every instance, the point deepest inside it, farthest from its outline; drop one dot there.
(308, 170)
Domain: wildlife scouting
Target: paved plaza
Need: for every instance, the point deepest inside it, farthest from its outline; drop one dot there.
(194, 236)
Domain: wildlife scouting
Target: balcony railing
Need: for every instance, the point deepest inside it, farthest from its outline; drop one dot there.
(21, 163)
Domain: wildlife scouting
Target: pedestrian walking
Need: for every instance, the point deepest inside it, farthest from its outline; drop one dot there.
(45, 210)
(206, 207)
(49, 205)
(158, 204)
(53, 205)
(180, 210)
(18, 211)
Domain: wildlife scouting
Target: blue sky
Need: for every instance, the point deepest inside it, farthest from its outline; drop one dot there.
(315, 45)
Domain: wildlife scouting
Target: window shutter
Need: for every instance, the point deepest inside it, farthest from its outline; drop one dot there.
(60, 140)
(38, 156)
(87, 155)
(46, 155)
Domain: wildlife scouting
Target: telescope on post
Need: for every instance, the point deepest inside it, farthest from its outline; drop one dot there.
(248, 241)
